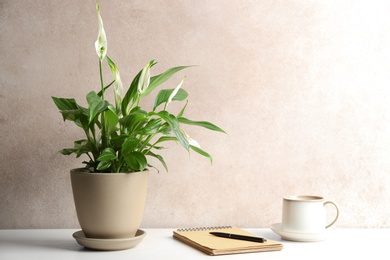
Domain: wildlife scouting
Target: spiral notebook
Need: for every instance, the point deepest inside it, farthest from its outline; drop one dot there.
(201, 239)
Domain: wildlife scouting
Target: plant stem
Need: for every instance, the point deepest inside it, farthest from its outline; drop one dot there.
(147, 140)
(101, 78)
(103, 133)
(89, 156)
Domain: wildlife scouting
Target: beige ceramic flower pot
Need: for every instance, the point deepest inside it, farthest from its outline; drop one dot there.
(109, 205)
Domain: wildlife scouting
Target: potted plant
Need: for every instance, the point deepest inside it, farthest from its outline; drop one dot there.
(120, 137)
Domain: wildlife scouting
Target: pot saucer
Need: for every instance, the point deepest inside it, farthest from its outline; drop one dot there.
(109, 244)
(297, 236)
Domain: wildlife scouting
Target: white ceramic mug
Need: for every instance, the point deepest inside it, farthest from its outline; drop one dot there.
(306, 214)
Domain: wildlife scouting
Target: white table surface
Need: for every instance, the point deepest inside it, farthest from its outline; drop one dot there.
(159, 244)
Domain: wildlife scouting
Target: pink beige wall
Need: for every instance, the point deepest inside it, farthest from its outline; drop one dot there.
(301, 87)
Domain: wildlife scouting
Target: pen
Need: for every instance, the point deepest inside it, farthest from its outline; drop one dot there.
(240, 237)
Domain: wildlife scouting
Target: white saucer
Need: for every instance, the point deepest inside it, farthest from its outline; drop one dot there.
(109, 244)
(296, 236)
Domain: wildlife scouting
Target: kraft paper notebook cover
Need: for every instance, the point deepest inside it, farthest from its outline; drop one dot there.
(201, 239)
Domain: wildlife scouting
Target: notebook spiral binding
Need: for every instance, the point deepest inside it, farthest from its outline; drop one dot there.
(203, 228)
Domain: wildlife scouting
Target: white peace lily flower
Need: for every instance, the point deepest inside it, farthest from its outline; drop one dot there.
(101, 42)
(193, 142)
(118, 89)
(144, 79)
(174, 92)
(118, 86)
(190, 140)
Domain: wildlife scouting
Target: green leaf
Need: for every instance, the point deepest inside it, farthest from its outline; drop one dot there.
(81, 120)
(161, 78)
(136, 160)
(175, 127)
(108, 154)
(100, 93)
(96, 105)
(111, 119)
(82, 147)
(151, 166)
(163, 96)
(160, 158)
(68, 107)
(71, 115)
(165, 139)
(132, 118)
(67, 151)
(65, 103)
(165, 129)
(154, 146)
(152, 127)
(201, 152)
(135, 121)
(117, 141)
(103, 165)
(130, 95)
(182, 110)
(129, 145)
(204, 124)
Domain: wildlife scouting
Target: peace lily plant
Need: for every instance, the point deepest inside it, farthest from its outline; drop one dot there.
(121, 136)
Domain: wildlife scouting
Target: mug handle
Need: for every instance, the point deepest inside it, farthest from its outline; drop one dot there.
(337, 213)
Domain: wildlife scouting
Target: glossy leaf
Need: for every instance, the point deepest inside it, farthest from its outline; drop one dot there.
(130, 144)
(118, 141)
(160, 158)
(161, 78)
(152, 127)
(136, 160)
(204, 124)
(70, 115)
(67, 151)
(165, 139)
(65, 103)
(81, 147)
(103, 165)
(175, 127)
(130, 95)
(68, 108)
(100, 93)
(201, 152)
(181, 113)
(96, 105)
(108, 154)
(112, 120)
(163, 96)
(134, 121)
